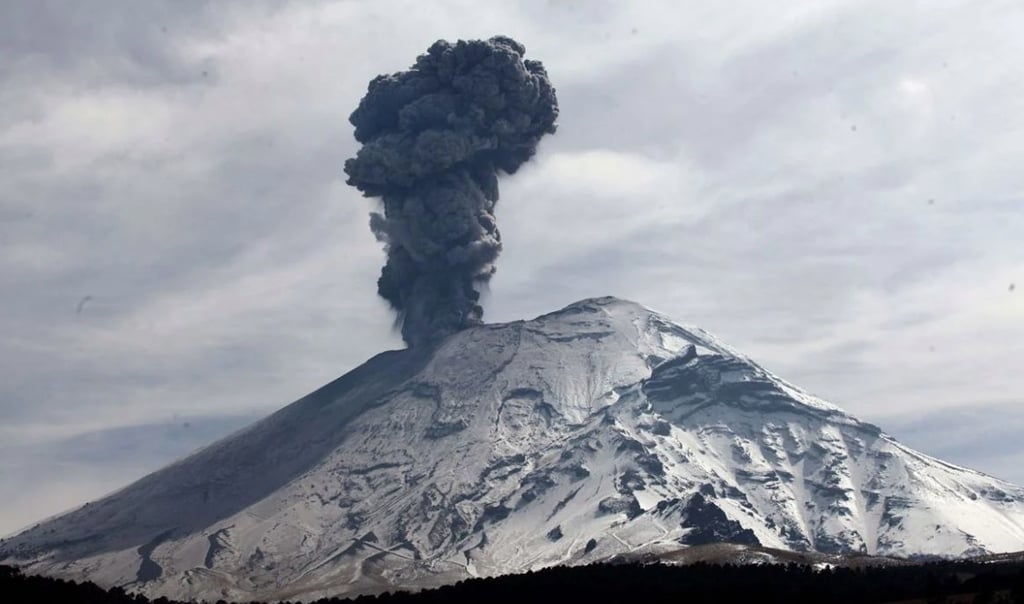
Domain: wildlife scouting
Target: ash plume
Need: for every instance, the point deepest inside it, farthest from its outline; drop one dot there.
(434, 140)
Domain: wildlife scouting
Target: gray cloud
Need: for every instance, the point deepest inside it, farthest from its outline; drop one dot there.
(91, 464)
(104, 42)
(981, 436)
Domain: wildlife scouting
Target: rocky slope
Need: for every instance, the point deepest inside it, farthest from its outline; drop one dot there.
(597, 431)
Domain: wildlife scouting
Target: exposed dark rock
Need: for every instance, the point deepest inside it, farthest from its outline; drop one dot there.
(491, 514)
(614, 505)
(629, 444)
(576, 472)
(512, 462)
(531, 393)
(561, 504)
(535, 486)
(441, 429)
(651, 463)
(629, 481)
(661, 428)
(711, 525)
(148, 569)
(217, 543)
(667, 505)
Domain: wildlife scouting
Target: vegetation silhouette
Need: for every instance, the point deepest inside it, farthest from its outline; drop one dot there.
(964, 581)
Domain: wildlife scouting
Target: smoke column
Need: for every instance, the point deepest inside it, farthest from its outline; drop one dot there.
(434, 139)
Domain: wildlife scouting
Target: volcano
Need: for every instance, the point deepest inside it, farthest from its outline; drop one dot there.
(601, 430)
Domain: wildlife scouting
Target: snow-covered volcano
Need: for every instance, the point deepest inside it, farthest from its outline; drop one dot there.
(597, 430)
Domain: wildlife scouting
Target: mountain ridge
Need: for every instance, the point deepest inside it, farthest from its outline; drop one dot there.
(595, 431)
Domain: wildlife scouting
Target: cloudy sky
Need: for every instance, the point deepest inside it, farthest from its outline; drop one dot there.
(832, 187)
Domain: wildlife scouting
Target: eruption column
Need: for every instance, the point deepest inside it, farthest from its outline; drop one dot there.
(434, 139)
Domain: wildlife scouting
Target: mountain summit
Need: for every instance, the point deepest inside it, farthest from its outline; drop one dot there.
(599, 430)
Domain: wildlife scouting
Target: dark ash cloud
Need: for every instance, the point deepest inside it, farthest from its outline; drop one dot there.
(434, 139)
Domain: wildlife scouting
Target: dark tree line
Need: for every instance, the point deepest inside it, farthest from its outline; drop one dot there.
(933, 582)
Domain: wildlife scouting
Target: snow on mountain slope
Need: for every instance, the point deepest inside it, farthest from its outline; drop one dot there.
(599, 430)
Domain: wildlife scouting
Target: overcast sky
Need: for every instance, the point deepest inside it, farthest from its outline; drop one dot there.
(832, 187)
